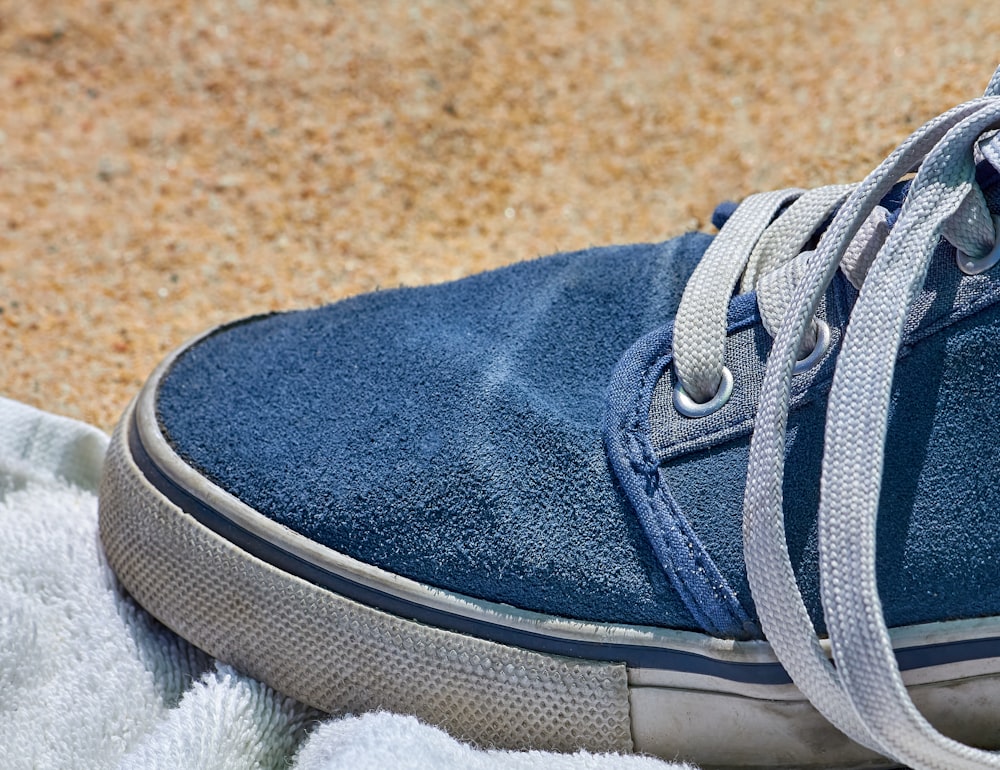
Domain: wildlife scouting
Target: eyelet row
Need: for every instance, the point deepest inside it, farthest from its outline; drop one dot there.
(688, 407)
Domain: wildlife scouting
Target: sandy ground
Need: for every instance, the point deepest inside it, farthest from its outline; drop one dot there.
(165, 166)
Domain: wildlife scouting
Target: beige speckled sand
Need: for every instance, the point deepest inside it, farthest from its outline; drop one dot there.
(165, 166)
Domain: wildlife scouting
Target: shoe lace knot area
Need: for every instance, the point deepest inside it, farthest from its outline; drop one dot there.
(769, 246)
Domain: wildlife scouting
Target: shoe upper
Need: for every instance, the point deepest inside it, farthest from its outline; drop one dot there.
(451, 434)
(510, 437)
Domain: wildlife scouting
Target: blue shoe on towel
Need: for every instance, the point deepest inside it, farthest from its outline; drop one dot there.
(628, 499)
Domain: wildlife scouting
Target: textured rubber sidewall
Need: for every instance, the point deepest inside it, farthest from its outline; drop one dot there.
(336, 654)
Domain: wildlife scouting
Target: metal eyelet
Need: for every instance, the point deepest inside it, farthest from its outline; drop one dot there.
(973, 266)
(688, 407)
(823, 339)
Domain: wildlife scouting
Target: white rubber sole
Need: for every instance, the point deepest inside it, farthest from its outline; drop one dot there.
(344, 636)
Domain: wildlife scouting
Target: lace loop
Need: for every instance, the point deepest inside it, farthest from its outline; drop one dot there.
(974, 266)
(820, 345)
(700, 327)
(688, 407)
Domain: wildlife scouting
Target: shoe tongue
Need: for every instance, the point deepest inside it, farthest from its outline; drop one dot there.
(722, 213)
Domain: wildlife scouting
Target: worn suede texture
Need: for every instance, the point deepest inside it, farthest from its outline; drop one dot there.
(938, 535)
(450, 434)
(453, 435)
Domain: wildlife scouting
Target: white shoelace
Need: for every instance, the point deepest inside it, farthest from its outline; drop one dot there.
(864, 695)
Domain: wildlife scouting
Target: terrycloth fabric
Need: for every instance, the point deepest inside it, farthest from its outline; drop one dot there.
(380, 741)
(88, 680)
(452, 433)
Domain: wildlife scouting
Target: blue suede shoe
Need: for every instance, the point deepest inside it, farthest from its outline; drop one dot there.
(632, 498)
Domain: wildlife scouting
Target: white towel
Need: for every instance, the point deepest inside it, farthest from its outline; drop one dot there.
(89, 680)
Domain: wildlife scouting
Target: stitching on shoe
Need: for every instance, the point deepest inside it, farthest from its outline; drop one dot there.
(669, 532)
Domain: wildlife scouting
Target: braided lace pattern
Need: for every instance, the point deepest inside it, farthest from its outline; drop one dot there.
(863, 695)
